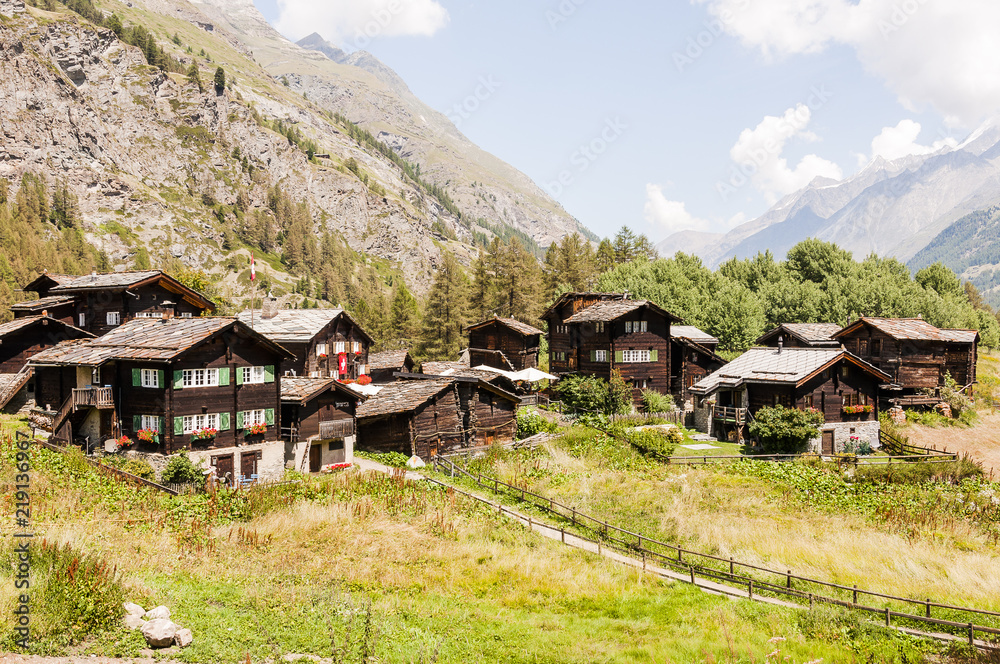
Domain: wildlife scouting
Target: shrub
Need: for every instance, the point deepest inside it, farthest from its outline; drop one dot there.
(595, 395)
(918, 473)
(393, 459)
(655, 402)
(139, 468)
(783, 430)
(675, 436)
(653, 441)
(530, 422)
(180, 470)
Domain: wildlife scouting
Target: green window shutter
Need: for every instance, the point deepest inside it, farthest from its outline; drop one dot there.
(136, 377)
(163, 430)
(269, 416)
(178, 380)
(239, 419)
(178, 426)
(653, 354)
(224, 376)
(161, 377)
(223, 421)
(269, 373)
(136, 423)
(593, 356)
(618, 357)
(239, 375)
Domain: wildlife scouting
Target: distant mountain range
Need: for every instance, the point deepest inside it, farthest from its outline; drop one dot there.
(917, 208)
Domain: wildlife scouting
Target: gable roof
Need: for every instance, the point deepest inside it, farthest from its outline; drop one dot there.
(692, 333)
(150, 339)
(612, 310)
(43, 303)
(67, 285)
(910, 329)
(812, 334)
(698, 348)
(24, 322)
(402, 397)
(516, 325)
(790, 366)
(297, 325)
(565, 297)
(389, 359)
(47, 280)
(303, 390)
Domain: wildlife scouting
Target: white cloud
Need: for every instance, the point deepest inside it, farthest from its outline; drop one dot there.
(901, 141)
(939, 52)
(352, 24)
(669, 216)
(757, 154)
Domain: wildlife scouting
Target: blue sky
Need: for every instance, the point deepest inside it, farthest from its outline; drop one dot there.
(664, 90)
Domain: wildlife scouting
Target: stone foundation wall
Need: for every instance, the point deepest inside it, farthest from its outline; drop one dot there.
(271, 465)
(842, 435)
(703, 420)
(294, 453)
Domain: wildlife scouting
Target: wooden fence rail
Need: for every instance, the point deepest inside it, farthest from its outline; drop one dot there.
(688, 560)
(110, 470)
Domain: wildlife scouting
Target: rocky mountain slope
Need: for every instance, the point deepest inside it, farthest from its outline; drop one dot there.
(890, 208)
(158, 164)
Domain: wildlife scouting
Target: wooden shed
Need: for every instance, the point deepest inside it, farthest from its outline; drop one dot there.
(383, 366)
(801, 335)
(504, 343)
(318, 417)
(20, 340)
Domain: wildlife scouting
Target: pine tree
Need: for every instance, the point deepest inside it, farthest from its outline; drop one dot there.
(194, 76)
(446, 314)
(220, 80)
(404, 315)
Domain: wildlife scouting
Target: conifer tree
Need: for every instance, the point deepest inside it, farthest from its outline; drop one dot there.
(194, 76)
(220, 80)
(404, 315)
(446, 314)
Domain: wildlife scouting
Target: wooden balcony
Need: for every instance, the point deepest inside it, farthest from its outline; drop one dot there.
(730, 414)
(93, 397)
(336, 429)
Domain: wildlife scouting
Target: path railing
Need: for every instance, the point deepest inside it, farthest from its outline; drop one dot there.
(732, 572)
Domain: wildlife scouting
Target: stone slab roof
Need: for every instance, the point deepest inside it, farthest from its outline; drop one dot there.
(291, 325)
(692, 333)
(813, 334)
(106, 280)
(295, 389)
(388, 359)
(43, 303)
(516, 325)
(911, 329)
(402, 397)
(612, 310)
(28, 321)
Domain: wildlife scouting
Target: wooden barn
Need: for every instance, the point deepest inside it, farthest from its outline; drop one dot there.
(208, 385)
(914, 353)
(504, 343)
(801, 335)
(99, 303)
(562, 358)
(20, 340)
(318, 417)
(692, 357)
(383, 366)
(839, 384)
(327, 343)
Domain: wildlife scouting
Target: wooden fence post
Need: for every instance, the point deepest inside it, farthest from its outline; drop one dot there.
(691, 569)
(972, 635)
(887, 616)
(732, 567)
(855, 595)
(562, 531)
(928, 604)
(810, 601)
(750, 589)
(789, 583)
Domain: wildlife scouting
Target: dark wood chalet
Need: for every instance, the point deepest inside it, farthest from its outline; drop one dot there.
(837, 383)
(327, 343)
(692, 357)
(203, 384)
(562, 359)
(498, 378)
(801, 335)
(916, 354)
(430, 415)
(504, 343)
(20, 340)
(383, 366)
(319, 412)
(99, 303)
(632, 336)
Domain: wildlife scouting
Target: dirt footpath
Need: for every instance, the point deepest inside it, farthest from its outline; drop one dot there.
(981, 442)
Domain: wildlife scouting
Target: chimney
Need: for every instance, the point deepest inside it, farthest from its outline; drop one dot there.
(168, 309)
(781, 343)
(269, 308)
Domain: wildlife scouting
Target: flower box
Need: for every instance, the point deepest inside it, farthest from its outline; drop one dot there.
(332, 467)
(204, 434)
(148, 435)
(364, 379)
(123, 442)
(856, 410)
(255, 429)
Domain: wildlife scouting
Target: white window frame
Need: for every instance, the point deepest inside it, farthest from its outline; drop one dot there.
(186, 314)
(200, 378)
(356, 347)
(635, 356)
(150, 378)
(253, 375)
(252, 417)
(194, 423)
(114, 318)
(320, 349)
(636, 326)
(598, 327)
(600, 356)
(339, 347)
(363, 370)
(151, 423)
(149, 314)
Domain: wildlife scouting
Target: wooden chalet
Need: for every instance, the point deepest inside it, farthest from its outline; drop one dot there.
(99, 303)
(562, 359)
(20, 340)
(208, 385)
(916, 354)
(692, 357)
(327, 343)
(801, 335)
(498, 378)
(383, 366)
(504, 343)
(836, 382)
(632, 336)
(318, 417)
(430, 415)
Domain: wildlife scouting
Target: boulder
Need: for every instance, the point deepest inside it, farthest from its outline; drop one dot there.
(183, 638)
(133, 621)
(415, 462)
(157, 613)
(159, 633)
(134, 609)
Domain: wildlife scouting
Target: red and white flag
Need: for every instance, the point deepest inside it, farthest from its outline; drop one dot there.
(253, 268)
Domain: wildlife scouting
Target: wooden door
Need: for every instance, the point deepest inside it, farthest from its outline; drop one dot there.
(315, 456)
(248, 464)
(224, 468)
(828, 442)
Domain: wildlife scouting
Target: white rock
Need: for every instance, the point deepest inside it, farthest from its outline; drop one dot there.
(159, 612)
(134, 609)
(183, 638)
(133, 621)
(415, 462)
(159, 633)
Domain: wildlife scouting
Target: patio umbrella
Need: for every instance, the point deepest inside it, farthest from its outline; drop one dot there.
(532, 375)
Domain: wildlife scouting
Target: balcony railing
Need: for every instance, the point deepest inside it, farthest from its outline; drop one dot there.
(730, 414)
(93, 397)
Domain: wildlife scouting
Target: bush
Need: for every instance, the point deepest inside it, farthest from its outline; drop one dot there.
(919, 473)
(393, 459)
(139, 468)
(180, 470)
(530, 422)
(653, 441)
(595, 395)
(783, 430)
(675, 436)
(655, 402)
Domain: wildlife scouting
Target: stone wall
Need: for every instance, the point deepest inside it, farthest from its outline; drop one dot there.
(271, 465)
(703, 420)
(294, 453)
(842, 432)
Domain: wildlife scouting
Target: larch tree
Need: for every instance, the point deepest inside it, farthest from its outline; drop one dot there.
(447, 311)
